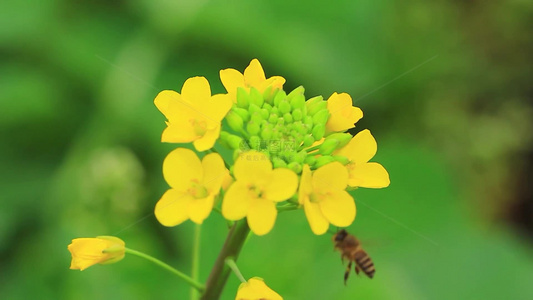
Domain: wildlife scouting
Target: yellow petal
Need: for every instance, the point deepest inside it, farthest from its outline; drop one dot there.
(207, 141)
(163, 99)
(217, 108)
(179, 133)
(276, 82)
(253, 167)
(199, 209)
(338, 208)
(87, 252)
(369, 175)
(196, 90)
(254, 74)
(361, 148)
(236, 201)
(214, 172)
(261, 216)
(181, 167)
(231, 79)
(343, 114)
(330, 177)
(282, 185)
(318, 223)
(256, 289)
(171, 209)
(306, 185)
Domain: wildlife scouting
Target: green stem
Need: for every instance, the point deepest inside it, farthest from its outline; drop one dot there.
(200, 287)
(195, 258)
(220, 272)
(233, 266)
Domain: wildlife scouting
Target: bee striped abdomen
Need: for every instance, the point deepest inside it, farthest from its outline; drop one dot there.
(365, 263)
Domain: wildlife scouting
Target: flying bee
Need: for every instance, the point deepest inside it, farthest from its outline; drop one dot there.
(350, 249)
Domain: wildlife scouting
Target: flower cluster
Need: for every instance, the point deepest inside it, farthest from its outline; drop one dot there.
(286, 149)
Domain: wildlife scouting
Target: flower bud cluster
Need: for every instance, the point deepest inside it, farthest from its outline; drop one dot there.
(284, 126)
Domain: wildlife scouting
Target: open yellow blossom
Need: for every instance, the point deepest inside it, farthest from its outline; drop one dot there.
(194, 187)
(100, 250)
(343, 115)
(325, 200)
(256, 190)
(361, 148)
(194, 115)
(253, 76)
(256, 289)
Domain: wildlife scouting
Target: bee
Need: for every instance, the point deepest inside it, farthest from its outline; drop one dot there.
(350, 249)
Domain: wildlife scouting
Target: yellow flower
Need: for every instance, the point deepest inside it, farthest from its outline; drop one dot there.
(100, 250)
(253, 76)
(256, 289)
(324, 198)
(256, 190)
(194, 187)
(343, 115)
(194, 115)
(361, 148)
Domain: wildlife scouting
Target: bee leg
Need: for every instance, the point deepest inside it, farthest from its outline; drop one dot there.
(347, 273)
(357, 269)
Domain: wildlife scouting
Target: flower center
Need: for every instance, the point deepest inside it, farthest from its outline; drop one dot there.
(314, 198)
(200, 126)
(198, 191)
(255, 191)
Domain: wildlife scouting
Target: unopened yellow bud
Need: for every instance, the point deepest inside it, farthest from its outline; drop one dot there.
(100, 250)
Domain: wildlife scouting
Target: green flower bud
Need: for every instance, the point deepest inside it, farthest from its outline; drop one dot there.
(235, 121)
(300, 156)
(253, 128)
(256, 97)
(256, 118)
(296, 167)
(273, 118)
(310, 160)
(318, 131)
(264, 113)
(314, 100)
(274, 110)
(279, 97)
(243, 113)
(287, 117)
(255, 142)
(321, 117)
(308, 141)
(253, 109)
(268, 95)
(223, 139)
(308, 121)
(342, 159)
(266, 133)
(316, 106)
(278, 162)
(276, 135)
(343, 138)
(297, 91)
(236, 142)
(243, 98)
(323, 160)
(267, 106)
(328, 146)
(284, 107)
(281, 121)
(297, 114)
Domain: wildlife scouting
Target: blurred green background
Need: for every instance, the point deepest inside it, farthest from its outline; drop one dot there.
(445, 87)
